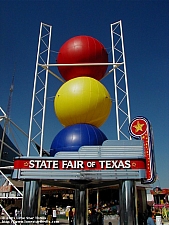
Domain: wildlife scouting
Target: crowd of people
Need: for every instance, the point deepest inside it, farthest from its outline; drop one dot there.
(96, 217)
(146, 218)
(50, 214)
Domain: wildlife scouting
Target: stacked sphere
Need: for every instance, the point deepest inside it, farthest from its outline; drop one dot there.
(82, 104)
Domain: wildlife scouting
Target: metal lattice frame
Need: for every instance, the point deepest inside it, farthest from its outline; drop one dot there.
(36, 129)
(120, 82)
(37, 118)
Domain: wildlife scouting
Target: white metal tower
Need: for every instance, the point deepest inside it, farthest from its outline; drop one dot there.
(120, 82)
(36, 127)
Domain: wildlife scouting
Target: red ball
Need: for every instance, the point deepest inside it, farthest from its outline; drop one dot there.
(82, 49)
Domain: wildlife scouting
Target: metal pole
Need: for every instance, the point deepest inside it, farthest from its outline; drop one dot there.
(31, 199)
(97, 199)
(127, 202)
(80, 205)
(87, 203)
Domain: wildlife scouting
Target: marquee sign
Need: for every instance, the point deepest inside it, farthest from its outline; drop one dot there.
(113, 160)
(140, 128)
(48, 164)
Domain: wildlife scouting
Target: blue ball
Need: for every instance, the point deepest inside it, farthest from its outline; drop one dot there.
(71, 138)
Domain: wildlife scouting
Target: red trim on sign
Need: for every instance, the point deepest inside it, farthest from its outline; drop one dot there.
(63, 164)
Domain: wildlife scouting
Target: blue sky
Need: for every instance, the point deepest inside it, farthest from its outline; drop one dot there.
(146, 32)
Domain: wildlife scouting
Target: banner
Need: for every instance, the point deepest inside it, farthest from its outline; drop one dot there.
(94, 164)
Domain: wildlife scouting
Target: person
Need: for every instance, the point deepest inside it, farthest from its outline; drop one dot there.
(74, 217)
(150, 220)
(46, 213)
(71, 217)
(16, 213)
(67, 213)
(54, 215)
(49, 217)
(19, 213)
(93, 217)
(100, 217)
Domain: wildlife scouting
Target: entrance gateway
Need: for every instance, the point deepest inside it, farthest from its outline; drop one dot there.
(118, 161)
(122, 162)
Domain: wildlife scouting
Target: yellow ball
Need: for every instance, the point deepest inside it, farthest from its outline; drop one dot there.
(82, 100)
